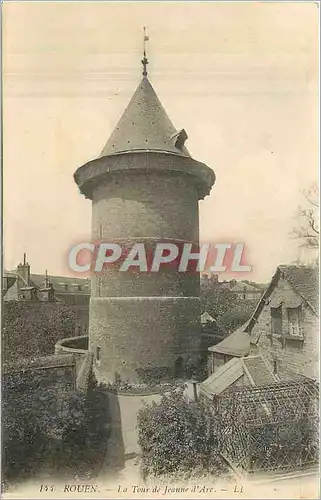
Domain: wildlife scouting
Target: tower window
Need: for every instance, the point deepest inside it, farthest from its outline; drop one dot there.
(179, 139)
(97, 353)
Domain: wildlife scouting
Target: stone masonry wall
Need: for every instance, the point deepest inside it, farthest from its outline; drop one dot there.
(139, 334)
(141, 321)
(146, 205)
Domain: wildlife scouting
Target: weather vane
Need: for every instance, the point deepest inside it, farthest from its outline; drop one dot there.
(145, 60)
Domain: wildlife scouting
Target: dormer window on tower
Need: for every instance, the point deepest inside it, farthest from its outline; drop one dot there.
(179, 139)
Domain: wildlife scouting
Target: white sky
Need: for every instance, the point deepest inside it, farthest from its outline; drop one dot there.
(241, 78)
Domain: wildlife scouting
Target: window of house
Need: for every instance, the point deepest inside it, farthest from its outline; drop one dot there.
(294, 320)
(97, 353)
(276, 320)
(275, 366)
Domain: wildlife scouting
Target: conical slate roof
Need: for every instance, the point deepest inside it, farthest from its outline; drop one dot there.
(144, 126)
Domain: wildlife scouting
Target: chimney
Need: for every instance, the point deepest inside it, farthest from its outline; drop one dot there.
(232, 283)
(23, 270)
(48, 291)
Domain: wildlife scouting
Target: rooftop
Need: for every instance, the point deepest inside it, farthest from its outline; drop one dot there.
(236, 344)
(255, 368)
(145, 126)
(305, 280)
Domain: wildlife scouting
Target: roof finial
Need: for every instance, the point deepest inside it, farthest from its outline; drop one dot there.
(145, 60)
(46, 279)
(24, 259)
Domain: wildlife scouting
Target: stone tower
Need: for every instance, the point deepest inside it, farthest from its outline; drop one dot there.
(144, 187)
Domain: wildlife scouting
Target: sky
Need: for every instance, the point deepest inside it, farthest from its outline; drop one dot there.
(240, 78)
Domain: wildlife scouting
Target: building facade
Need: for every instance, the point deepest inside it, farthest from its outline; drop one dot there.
(24, 286)
(284, 326)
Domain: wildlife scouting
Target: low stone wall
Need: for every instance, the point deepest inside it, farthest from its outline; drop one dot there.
(75, 343)
(78, 347)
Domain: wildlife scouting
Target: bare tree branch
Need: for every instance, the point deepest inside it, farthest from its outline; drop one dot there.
(307, 196)
(312, 225)
(307, 227)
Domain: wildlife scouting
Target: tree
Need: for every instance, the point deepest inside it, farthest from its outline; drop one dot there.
(307, 227)
(217, 300)
(30, 330)
(227, 309)
(239, 312)
(178, 437)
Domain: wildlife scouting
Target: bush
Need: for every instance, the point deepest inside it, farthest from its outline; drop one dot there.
(43, 427)
(178, 437)
(155, 375)
(84, 442)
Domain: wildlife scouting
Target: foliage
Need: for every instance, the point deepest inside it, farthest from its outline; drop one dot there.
(84, 442)
(178, 437)
(217, 300)
(239, 312)
(196, 368)
(49, 427)
(226, 308)
(154, 375)
(32, 329)
(162, 377)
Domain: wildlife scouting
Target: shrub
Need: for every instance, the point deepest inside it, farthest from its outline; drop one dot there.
(44, 427)
(178, 437)
(155, 374)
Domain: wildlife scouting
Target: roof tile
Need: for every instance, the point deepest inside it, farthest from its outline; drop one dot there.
(305, 280)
